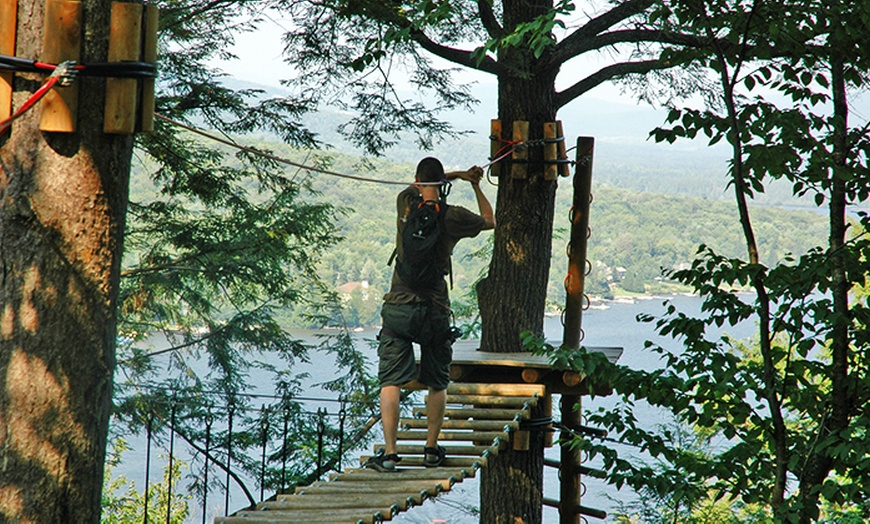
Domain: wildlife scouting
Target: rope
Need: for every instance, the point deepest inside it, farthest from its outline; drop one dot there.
(103, 69)
(284, 160)
(34, 98)
(64, 74)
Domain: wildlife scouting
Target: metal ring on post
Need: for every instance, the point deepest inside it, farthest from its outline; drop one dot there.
(588, 232)
(582, 334)
(586, 302)
(588, 267)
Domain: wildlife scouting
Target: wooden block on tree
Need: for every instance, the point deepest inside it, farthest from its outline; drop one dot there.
(520, 169)
(149, 54)
(551, 168)
(125, 33)
(8, 23)
(564, 169)
(547, 408)
(522, 440)
(62, 38)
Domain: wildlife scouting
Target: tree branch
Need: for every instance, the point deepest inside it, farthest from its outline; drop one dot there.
(605, 21)
(572, 47)
(487, 17)
(457, 56)
(605, 74)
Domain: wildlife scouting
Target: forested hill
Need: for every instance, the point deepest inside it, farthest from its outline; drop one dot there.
(634, 233)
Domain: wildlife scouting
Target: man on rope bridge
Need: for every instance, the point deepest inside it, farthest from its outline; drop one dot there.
(417, 307)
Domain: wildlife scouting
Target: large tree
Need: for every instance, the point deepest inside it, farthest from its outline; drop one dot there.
(64, 197)
(212, 242)
(787, 411)
(350, 50)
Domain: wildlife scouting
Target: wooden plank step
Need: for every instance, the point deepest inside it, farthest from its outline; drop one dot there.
(322, 518)
(449, 462)
(336, 501)
(479, 413)
(474, 425)
(429, 486)
(486, 400)
(503, 390)
(375, 477)
(407, 449)
(465, 436)
(305, 516)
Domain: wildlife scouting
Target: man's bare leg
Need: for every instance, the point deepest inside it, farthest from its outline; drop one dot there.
(435, 415)
(390, 416)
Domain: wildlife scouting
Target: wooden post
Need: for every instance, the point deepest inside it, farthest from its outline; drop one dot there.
(521, 134)
(551, 168)
(124, 44)
(62, 38)
(149, 54)
(531, 375)
(577, 256)
(570, 459)
(564, 169)
(547, 407)
(495, 146)
(8, 24)
(569, 465)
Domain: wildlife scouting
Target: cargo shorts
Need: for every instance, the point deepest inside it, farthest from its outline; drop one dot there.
(429, 326)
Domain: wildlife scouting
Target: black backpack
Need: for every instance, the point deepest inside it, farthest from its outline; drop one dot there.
(424, 228)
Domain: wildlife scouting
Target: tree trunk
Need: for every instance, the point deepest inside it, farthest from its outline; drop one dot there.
(513, 296)
(64, 198)
(512, 484)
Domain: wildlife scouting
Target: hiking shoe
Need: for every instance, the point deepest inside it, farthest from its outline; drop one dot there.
(382, 462)
(433, 457)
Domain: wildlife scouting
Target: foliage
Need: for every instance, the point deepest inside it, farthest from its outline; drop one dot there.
(123, 504)
(219, 244)
(789, 410)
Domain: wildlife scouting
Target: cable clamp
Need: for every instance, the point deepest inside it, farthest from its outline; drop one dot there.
(65, 73)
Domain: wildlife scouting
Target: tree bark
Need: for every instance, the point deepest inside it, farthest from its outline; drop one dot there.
(64, 198)
(512, 484)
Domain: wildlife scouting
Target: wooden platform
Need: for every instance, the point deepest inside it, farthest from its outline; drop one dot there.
(472, 365)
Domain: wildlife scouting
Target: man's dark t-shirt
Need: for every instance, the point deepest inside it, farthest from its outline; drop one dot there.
(458, 223)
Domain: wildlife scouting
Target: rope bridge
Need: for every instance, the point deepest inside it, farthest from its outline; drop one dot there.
(480, 420)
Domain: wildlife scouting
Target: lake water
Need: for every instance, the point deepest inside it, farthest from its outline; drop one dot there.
(614, 324)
